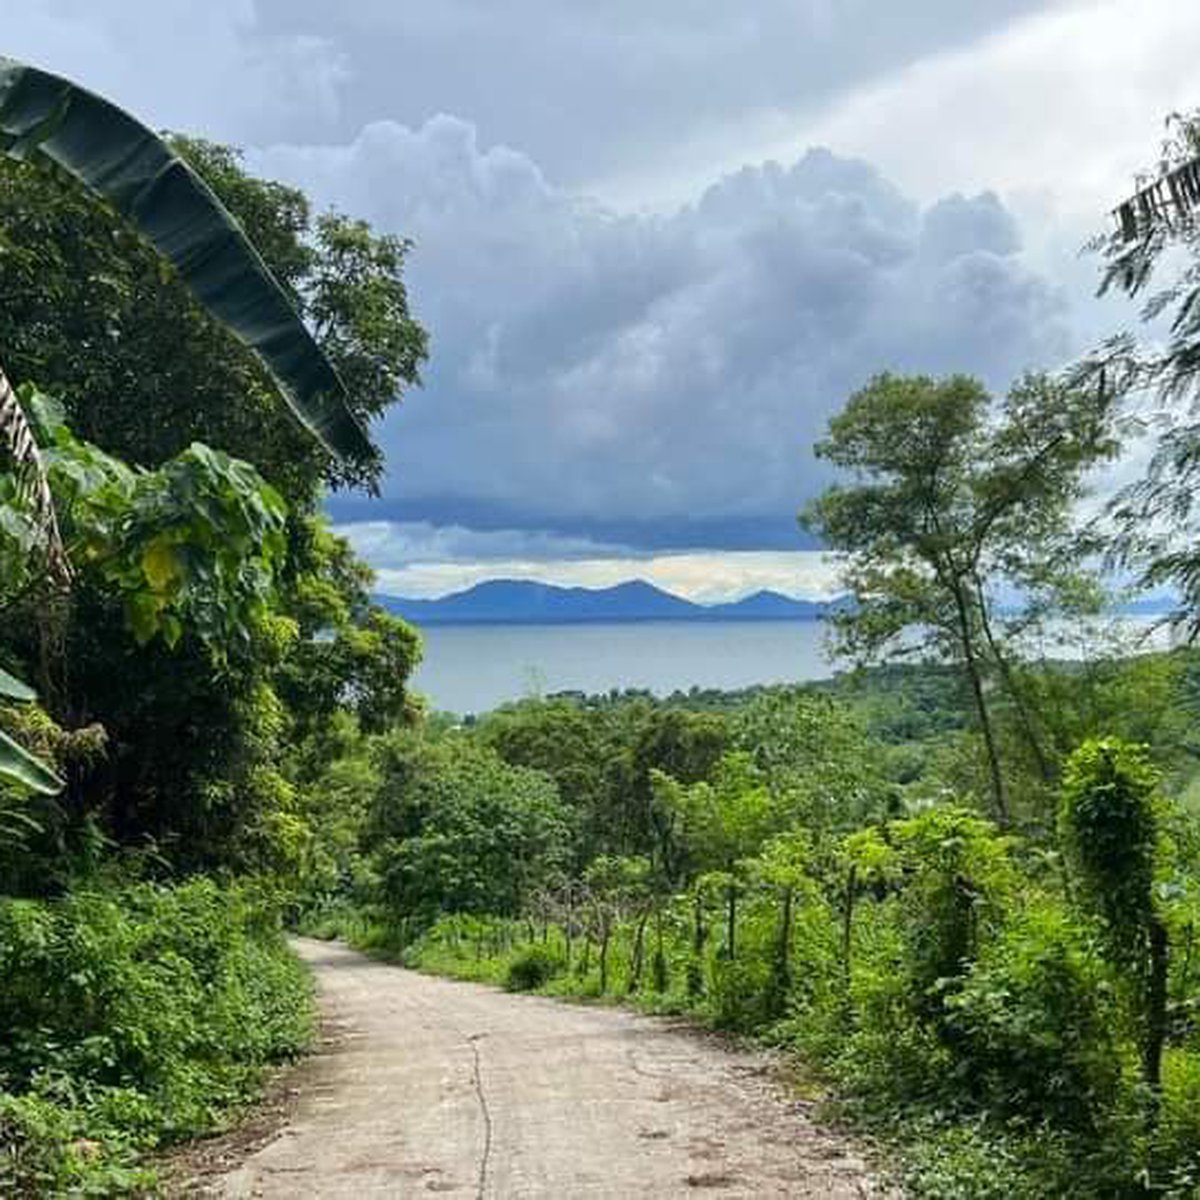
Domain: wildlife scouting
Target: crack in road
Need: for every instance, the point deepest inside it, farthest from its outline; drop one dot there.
(474, 1041)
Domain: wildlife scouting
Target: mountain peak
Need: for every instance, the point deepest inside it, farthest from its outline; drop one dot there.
(526, 601)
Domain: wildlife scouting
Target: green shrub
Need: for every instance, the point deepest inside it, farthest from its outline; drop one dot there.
(48, 1149)
(958, 872)
(738, 993)
(1032, 1026)
(133, 1016)
(532, 968)
(1175, 1154)
(981, 1161)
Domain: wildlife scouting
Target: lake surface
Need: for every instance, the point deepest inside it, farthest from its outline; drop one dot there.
(473, 668)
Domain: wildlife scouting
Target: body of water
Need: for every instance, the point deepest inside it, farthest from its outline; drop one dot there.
(473, 668)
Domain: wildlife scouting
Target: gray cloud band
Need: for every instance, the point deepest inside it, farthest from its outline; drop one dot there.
(594, 365)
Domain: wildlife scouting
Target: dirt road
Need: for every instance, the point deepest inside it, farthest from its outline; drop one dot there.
(433, 1087)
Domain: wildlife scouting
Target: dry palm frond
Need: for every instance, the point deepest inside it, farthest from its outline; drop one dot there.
(1171, 202)
(17, 442)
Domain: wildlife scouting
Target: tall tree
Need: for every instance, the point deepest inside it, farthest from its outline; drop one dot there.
(946, 504)
(453, 828)
(141, 304)
(96, 145)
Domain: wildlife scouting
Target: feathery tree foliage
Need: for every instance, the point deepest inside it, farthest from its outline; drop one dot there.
(944, 509)
(1153, 255)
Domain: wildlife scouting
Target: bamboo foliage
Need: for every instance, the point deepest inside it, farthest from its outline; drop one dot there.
(1172, 200)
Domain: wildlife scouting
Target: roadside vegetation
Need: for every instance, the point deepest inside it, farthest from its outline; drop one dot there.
(818, 867)
(176, 618)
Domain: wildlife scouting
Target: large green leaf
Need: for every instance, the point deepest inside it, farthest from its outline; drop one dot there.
(17, 765)
(11, 688)
(134, 170)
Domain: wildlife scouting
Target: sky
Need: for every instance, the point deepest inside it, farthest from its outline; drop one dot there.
(657, 245)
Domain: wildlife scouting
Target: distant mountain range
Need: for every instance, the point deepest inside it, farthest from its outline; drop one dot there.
(523, 602)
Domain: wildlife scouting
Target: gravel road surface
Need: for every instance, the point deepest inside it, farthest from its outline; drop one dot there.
(432, 1087)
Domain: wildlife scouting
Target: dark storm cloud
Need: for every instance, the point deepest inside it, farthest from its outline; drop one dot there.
(639, 379)
(647, 381)
(593, 88)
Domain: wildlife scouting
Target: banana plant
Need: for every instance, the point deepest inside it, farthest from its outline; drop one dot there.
(17, 443)
(32, 489)
(129, 166)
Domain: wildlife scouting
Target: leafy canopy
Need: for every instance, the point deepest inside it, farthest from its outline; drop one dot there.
(87, 309)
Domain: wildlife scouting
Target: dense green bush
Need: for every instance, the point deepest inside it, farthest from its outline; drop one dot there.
(131, 1018)
(1032, 1025)
(454, 828)
(532, 968)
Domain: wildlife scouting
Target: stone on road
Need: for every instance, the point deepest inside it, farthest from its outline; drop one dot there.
(433, 1087)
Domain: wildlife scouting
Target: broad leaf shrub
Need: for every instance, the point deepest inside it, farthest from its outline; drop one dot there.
(1031, 1025)
(133, 1017)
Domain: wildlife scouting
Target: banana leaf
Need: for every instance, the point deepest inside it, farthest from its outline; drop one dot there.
(11, 688)
(17, 765)
(133, 169)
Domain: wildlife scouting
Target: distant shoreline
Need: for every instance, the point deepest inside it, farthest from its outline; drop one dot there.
(499, 603)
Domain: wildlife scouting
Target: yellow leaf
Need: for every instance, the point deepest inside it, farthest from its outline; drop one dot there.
(160, 565)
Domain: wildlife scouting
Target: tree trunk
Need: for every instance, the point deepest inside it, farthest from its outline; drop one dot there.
(848, 922)
(696, 966)
(731, 922)
(568, 930)
(639, 950)
(999, 795)
(605, 936)
(1023, 714)
(783, 951)
(1156, 1011)
(1185, 973)
(660, 958)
